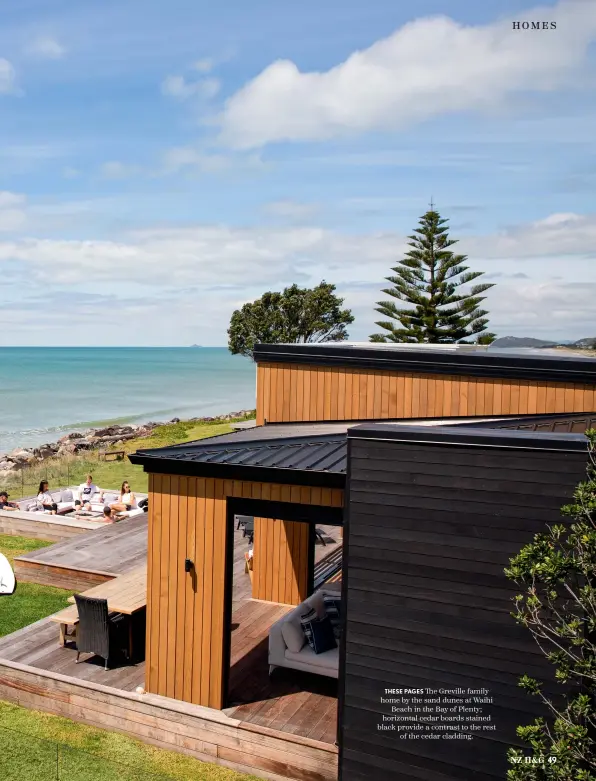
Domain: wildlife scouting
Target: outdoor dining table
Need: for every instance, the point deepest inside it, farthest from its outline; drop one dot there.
(125, 594)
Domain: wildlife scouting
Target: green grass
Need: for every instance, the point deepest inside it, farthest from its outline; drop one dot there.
(71, 470)
(33, 745)
(30, 602)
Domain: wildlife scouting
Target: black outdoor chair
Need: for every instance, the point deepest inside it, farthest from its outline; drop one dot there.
(248, 529)
(99, 632)
(241, 520)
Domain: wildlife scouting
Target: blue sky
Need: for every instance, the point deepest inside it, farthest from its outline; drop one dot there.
(161, 164)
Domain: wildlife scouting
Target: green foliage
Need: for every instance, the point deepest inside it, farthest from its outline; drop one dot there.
(296, 315)
(558, 607)
(428, 279)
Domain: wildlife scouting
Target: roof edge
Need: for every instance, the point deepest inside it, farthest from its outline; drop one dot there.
(539, 367)
(464, 436)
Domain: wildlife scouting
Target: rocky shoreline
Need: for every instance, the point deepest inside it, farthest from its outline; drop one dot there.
(96, 439)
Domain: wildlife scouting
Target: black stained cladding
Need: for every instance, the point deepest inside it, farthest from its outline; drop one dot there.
(433, 518)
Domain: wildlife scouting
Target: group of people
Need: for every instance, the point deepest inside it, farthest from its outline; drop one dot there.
(87, 490)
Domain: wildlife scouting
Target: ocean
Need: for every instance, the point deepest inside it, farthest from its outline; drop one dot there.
(48, 391)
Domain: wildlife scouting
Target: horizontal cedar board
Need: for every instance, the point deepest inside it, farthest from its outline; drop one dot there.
(374, 561)
(378, 468)
(366, 452)
(359, 605)
(361, 508)
(448, 524)
(458, 504)
(401, 644)
(425, 636)
(497, 615)
(423, 624)
(388, 559)
(509, 482)
(465, 495)
(399, 584)
(395, 535)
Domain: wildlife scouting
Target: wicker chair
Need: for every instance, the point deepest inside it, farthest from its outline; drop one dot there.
(98, 632)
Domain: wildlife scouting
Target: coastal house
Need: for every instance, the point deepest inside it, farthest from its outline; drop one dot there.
(423, 469)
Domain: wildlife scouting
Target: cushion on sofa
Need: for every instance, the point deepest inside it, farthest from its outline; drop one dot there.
(333, 610)
(67, 496)
(318, 632)
(293, 636)
(329, 660)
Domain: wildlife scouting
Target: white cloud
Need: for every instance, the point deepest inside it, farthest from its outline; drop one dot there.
(239, 264)
(205, 65)
(12, 211)
(46, 48)
(428, 67)
(555, 236)
(7, 77)
(178, 87)
(70, 173)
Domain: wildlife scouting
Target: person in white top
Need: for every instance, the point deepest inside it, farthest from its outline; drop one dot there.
(127, 500)
(45, 498)
(86, 492)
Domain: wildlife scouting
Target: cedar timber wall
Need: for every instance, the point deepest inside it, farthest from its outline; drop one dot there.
(301, 392)
(186, 611)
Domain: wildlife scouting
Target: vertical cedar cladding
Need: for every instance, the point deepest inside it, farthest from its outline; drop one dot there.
(185, 611)
(301, 392)
(430, 528)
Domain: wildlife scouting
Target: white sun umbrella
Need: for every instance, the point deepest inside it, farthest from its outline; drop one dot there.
(8, 582)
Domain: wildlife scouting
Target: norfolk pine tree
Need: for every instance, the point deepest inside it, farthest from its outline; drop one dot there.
(428, 279)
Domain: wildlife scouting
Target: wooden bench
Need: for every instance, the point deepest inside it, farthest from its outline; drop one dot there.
(111, 455)
(67, 617)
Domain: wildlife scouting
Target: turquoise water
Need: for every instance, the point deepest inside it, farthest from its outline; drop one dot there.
(48, 391)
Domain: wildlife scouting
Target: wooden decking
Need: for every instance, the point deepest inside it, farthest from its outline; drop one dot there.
(290, 701)
(88, 559)
(295, 703)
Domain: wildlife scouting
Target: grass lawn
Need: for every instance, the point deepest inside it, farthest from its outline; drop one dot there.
(34, 745)
(30, 602)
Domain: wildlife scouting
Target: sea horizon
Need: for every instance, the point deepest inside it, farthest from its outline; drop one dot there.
(47, 392)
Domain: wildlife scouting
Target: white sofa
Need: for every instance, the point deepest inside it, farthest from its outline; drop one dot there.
(66, 497)
(303, 658)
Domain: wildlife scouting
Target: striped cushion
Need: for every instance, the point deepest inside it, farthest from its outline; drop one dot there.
(333, 610)
(318, 632)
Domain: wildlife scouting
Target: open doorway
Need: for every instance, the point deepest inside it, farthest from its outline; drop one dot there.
(290, 697)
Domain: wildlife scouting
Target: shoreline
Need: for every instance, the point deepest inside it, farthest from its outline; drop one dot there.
(103, 437)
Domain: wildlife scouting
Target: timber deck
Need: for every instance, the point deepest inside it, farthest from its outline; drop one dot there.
(289, 702)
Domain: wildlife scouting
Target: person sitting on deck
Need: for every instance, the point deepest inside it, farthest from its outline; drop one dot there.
(5, 504)
(45, 498)
(111, 516)
(127, 500)
(86, 491)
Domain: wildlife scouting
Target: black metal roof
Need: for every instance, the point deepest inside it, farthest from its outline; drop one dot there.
(534, 364)
(300, 460)
(316, 453)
